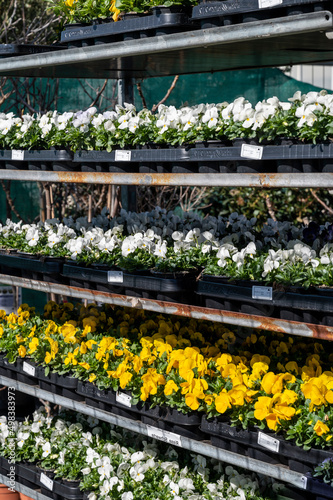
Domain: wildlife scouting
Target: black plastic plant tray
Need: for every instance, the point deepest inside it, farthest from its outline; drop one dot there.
(30, 263)
(313, 299)
(10, 49)
(28, 472)
(43, 155)
(64, 381)
(133, 155)
(134, 281)
(264, 441)
(192, 432)
(160, 19)
(319, 487)
(268, 9)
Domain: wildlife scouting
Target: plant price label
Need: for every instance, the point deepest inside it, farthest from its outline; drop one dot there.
(46, 481)
(115, 277)
(161, 435)
(252, 152)
(262, 292)
(304, 482)
(123, 399)
(268, 442)
(29, 369)
(122, 155)
(17, 155)
(265, 4)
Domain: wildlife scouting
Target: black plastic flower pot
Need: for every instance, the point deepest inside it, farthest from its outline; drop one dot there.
(68, 489)
(185, 419)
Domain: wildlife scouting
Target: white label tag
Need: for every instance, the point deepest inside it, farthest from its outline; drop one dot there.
(123, 155)
(262, 292)
(264, 4)
(46, 481)
(115, 277)
(252, 152)
(124, 399)
(161, 435)
(17, 155)
(29, 369)
(304, 482)
(268, 442)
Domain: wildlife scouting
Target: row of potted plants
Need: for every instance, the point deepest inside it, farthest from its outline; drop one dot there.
(233, 246)
(107, 462)
(270, 382)
(306, 117)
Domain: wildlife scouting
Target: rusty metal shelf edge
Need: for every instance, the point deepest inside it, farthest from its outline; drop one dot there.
(185, 310)
(301, 180)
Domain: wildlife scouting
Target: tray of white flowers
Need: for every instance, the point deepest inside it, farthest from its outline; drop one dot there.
(169, 286)
(215, 13)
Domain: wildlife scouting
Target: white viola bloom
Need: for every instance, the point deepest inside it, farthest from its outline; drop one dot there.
(298, 96)
(137, 472)
(161, 250)
(109, 126)
(271, 262)
(174, 487)
(104, 488)
(92, 496)
(306, 115)
(186, 483)
(122, 468)
(138, 457)
(133, 124)
(91, 456)
(127, 495)
(75, 247)
(53, 239)
(169, 466)
(129, 245)
(97, 120)
(210, 117)
(123, 121)
(104, 467)
(86, 471)
(32, 236)
(46, 450)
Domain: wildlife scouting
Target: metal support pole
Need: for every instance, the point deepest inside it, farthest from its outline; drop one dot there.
(126, 94)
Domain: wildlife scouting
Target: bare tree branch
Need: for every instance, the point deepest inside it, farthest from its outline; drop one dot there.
(9, 199)
(270, 207)
(154, 108)
(99, 93)
(314, 194)
(138, 86)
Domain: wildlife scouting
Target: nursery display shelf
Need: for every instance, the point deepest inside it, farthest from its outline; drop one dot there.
(162, 307)
(304, 38)
(296, 180)
(35, 494)
(279, 472)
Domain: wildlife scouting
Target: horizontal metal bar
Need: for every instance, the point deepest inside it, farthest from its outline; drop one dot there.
(288, 25)
(36, 495)
(278, 472)
(301, 180)
(189, 311)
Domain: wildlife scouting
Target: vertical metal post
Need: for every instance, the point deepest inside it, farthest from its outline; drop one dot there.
(126, 94)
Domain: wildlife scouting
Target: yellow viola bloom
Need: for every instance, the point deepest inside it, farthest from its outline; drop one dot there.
(92, 377)
(170, 387)
(48, 357)
(222, 402)
(192, 401)
(33, 345)
(320, 428)
(124, 379)
(22, 351)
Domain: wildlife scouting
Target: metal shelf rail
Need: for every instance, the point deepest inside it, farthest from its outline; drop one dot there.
(189, 311)
(304, 38)
(300, 180)
(278, 472)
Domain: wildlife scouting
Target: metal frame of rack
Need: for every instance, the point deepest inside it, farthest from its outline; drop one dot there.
(286, 40)
(35, 494)
(302, 180)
